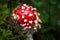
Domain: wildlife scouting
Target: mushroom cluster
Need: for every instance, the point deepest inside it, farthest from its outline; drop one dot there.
(27, 16)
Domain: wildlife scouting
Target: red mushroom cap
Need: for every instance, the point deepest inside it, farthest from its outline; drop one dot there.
(26, 16)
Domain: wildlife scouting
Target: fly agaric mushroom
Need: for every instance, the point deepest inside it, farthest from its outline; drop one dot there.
(27, 16)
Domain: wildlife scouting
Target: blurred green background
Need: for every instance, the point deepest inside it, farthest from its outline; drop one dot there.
(50, 16)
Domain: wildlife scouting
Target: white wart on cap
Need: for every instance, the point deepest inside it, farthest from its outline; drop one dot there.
(35, 21)
(22, 16)
(30, 15)
(30, 22)
(25, 20)
(23, 7)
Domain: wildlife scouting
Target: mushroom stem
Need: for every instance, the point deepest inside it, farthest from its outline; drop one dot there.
(29, 37)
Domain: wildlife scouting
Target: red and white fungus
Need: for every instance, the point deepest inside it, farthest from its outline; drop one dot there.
(27, 16)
